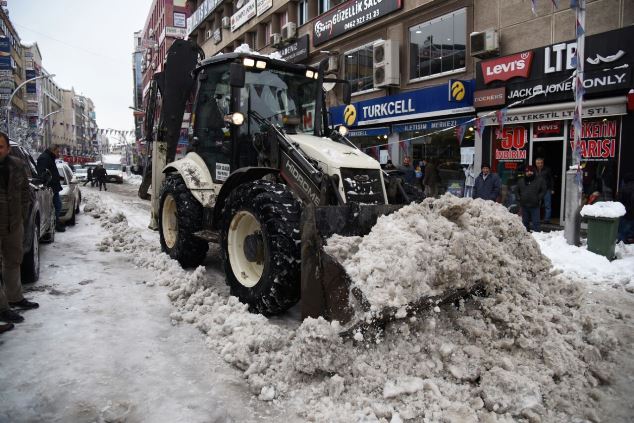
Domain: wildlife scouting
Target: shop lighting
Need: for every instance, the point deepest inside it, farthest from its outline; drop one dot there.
(419, 31)
(236, 118)
(471, 128)
(260, 64)
(248, 62)
(343, 131)
(385, 136)
(309, 73)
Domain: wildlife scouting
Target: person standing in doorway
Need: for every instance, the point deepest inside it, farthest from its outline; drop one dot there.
(530, 192)
(487, 185)
(546, 174)
(431, 179)
(45, 162)
(15, 200)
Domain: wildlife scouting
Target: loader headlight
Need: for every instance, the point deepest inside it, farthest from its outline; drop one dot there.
(343, 131)
(248, 62)
(260, 64)
(309, 73)
(236, 118)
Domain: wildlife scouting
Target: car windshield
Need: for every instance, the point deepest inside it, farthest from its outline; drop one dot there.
(81, 170)
(112, 166)
(281, 97)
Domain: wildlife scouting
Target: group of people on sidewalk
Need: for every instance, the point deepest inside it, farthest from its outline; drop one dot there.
(15, 201)
(533, 192)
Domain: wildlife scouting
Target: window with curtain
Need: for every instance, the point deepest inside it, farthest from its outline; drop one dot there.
(438, 46)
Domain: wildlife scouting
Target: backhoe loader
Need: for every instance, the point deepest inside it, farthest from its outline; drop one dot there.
(265, 176)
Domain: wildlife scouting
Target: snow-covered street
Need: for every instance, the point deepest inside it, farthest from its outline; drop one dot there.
(124, 334)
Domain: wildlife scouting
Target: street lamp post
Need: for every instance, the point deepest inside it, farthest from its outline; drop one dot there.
(11, 98)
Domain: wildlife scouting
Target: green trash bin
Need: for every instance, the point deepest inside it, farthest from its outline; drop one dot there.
(602, 232)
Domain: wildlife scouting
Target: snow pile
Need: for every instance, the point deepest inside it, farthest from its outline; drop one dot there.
(587, 266)
(608, 209)
(244, 48)
(133, 179)
(438, 246)
(532, 350)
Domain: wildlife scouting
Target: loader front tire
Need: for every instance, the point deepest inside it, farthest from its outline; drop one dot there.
(261, 246)
(180, 216)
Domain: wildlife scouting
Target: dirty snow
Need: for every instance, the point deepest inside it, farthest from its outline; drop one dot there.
(540, 347)
(608, 209)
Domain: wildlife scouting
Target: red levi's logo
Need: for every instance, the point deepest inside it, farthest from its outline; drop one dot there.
(507, 67)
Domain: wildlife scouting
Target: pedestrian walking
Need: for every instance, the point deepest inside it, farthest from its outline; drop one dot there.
(100, 175)
(89, 177)
(530, 193)
(546, 174)
(487, 185)
(626, 197)
(431, 179)
(45, 162)
(15, 200)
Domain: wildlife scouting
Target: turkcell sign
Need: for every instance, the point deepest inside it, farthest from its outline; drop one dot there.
(351, 15)
(430, 125)
(423, 103)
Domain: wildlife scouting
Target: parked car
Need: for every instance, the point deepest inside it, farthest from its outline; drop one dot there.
(40, 222)
(70, 194)
(115, 172)
(81, 173)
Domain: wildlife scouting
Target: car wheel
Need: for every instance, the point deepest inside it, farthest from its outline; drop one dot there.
(78, 204)
(72, 221)
(180, 216)
(260, 244)
(31, 261)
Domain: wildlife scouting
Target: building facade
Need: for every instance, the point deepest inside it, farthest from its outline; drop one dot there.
(416, 71)
(11, 65)
(51, 110)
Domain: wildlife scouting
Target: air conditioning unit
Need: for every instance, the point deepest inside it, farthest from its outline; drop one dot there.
(333, 63)
(485, 44)
(289, 31)
(275, 39)
(226, 22)
(386, 63)
(208, 34)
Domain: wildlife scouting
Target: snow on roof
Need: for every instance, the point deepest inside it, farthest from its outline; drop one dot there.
(608, 209)
(244, 48)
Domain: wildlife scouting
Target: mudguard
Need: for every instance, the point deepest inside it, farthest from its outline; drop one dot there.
(195, 173)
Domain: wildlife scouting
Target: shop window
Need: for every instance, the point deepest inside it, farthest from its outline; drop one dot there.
(326, 5)
(438, 47)
(302, 12)
(509, 157)
(358, 68)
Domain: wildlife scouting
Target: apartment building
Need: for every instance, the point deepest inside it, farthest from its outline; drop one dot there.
(11, 64)
(51, 98)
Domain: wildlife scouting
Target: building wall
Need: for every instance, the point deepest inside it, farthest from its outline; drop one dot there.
(7, 30)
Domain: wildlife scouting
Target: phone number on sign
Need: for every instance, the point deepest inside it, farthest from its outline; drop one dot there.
(362, 19)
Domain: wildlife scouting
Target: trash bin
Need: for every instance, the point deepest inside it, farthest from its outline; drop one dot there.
(602, 232)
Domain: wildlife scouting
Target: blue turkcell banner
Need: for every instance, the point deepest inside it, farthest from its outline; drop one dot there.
(369, 132)
(430, 125)
(419, 104)
(5, 53)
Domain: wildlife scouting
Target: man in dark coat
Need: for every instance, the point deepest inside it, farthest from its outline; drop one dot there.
(100, 175)
(15, 200)
(546, 174)
(431, 179)
(409, 174)
(45, 162)
(89, 177)
(487, 185)
(626, 197)
(530, 192)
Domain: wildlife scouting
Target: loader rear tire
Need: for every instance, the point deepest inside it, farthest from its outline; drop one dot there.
(261, 246)
(180, 216)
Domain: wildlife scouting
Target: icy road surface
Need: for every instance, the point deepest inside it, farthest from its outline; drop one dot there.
(125, 335)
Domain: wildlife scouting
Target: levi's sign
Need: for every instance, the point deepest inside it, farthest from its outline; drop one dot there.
(505, 68)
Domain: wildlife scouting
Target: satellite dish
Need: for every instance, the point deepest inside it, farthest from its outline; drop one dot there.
(328, 86)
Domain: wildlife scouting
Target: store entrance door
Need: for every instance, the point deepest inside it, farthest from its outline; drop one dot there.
(553, 154)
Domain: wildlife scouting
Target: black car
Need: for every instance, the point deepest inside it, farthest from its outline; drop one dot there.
(40, 223)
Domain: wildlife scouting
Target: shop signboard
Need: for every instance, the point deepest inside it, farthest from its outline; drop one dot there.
(554, 129)
(297, 51)
(490, 97)
(369, 132)
(264, 5)
(545, 75)
(243, 15)
(200, 14)
(349, 16)
(511, 144)
(430, 125)
(217, 36)
(179, 20)
(5, 53)
(418, 104)
(598, 140)
(563, 114)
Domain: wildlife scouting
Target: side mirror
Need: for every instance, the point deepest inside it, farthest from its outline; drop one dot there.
(347, 93)
(237, 75)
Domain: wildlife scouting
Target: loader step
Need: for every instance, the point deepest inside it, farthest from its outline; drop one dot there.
(208, 235)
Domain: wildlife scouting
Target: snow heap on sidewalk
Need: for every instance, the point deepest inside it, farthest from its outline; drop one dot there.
(532, 350)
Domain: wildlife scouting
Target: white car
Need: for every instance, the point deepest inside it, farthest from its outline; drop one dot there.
(70, 194)
(81, 173)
